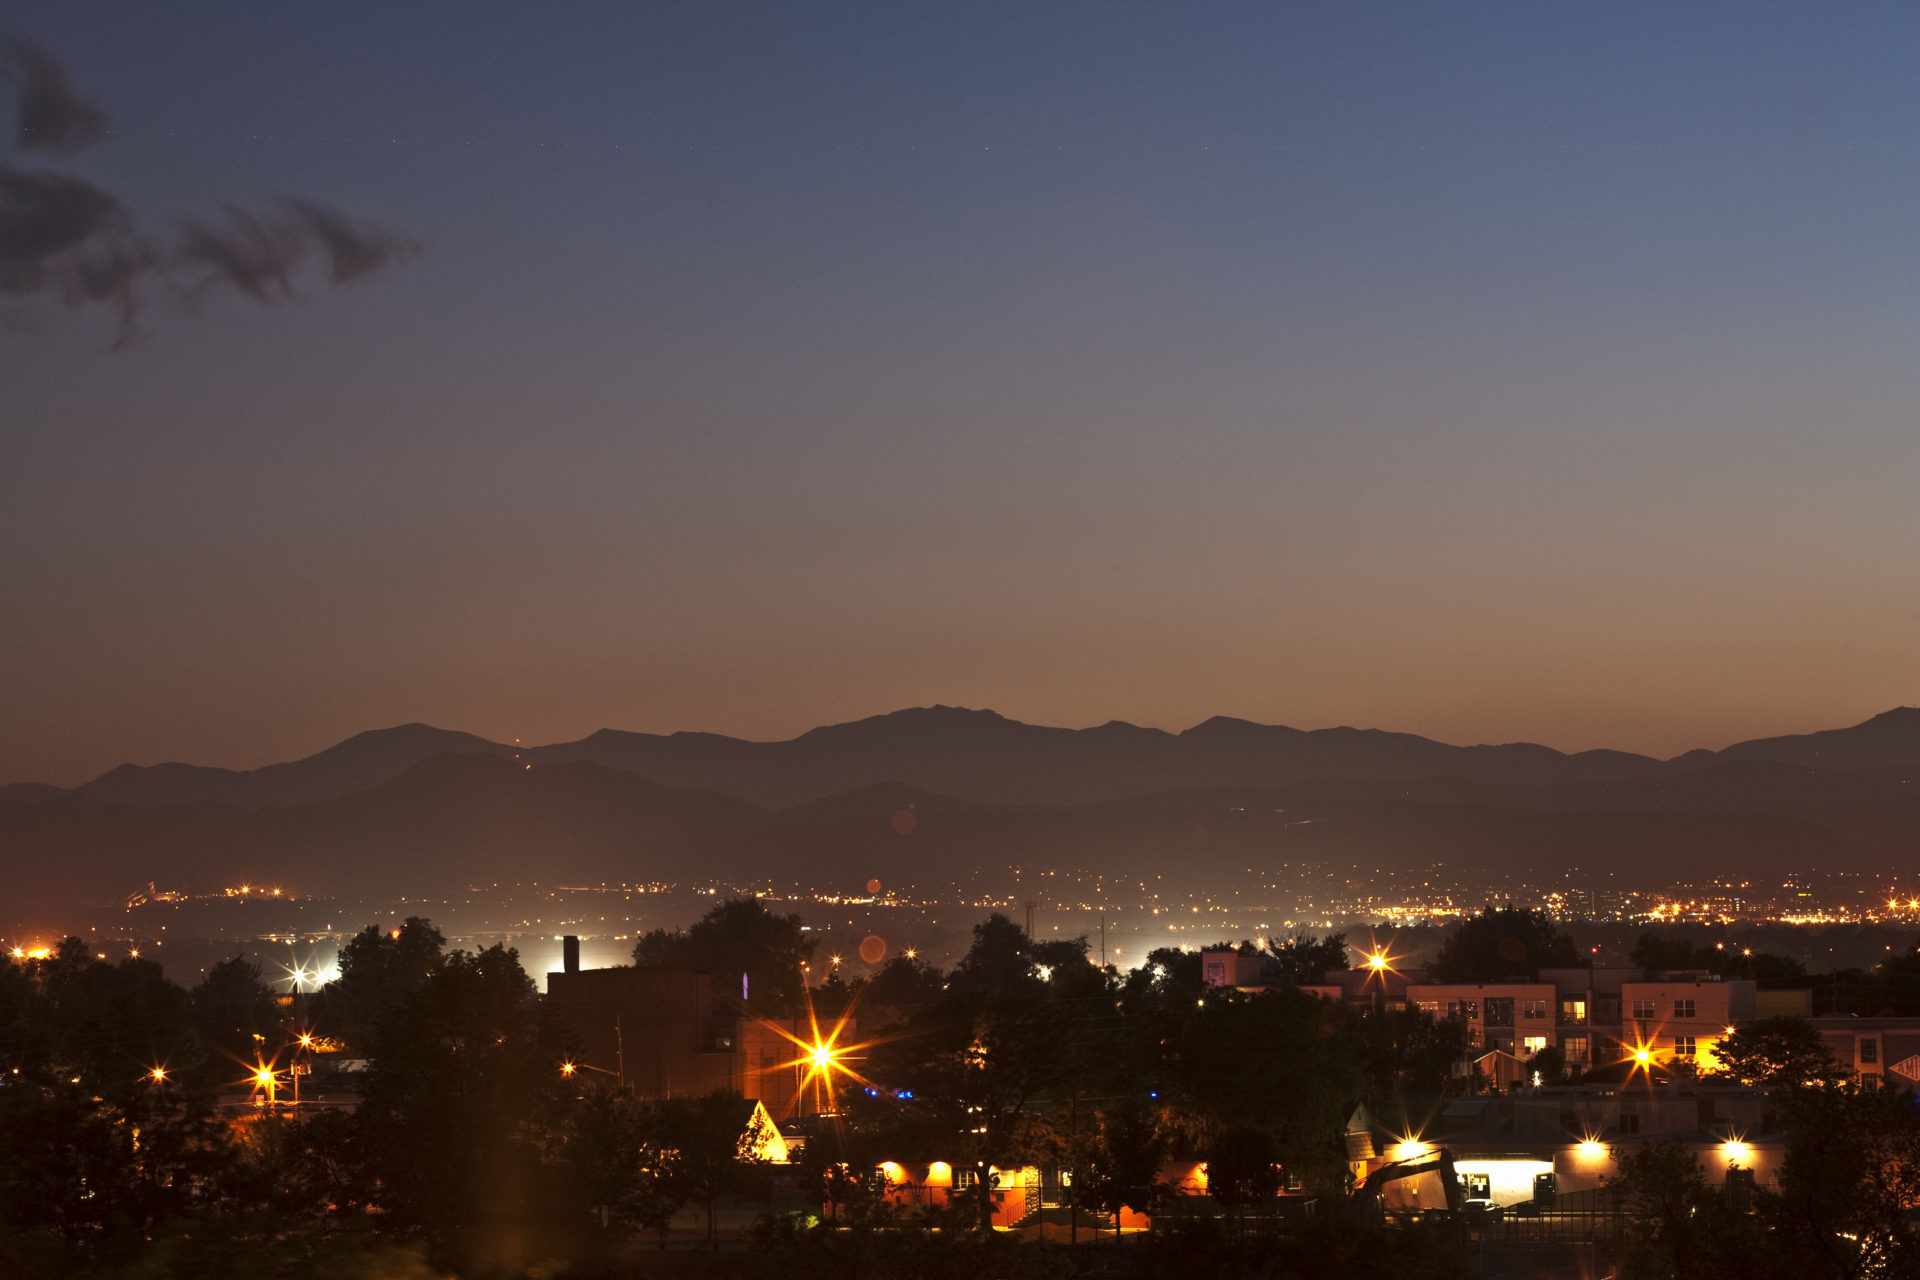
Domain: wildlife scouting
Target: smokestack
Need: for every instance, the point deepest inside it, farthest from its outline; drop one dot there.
(570, 953)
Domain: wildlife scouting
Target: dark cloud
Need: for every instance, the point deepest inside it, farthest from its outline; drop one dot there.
(354, 250)
(44, 216)
(66, 239)
(254, 254)
(52, 116)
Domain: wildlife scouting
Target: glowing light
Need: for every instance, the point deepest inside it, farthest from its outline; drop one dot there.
(1407, 1150)
(158, 1075)
(836, 959)
(1590, 1150)
(567, 1068)
(306, 1041)
(1643, 1056)
(910, 953)
(264, 1078)
(1736, 1152)
(395, 935)
(1045, 971)
(1377, 962)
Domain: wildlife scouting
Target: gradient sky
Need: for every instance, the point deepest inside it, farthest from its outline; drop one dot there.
(1486, 371)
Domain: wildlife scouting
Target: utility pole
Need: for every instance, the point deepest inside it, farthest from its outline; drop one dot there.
(1073, 1145)
(1029, 918)
(1103, 941)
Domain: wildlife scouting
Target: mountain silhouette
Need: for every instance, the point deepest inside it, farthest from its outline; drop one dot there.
(987, 758)
(933, 794)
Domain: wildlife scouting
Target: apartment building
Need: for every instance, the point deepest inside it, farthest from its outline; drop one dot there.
(1679, 1017)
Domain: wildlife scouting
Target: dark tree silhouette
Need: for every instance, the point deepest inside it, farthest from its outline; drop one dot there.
(1503, 942)
(739, 936)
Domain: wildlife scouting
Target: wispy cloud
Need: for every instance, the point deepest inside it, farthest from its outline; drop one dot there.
(68, 240)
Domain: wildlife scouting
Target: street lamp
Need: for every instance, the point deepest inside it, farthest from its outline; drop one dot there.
(266, 1078)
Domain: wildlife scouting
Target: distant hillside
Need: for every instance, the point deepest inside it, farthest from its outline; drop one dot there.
(986, 758)
(929, 795)
(983, 756)
(452, 821)
(362, 761)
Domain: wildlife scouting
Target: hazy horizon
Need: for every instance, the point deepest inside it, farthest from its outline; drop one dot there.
(535, 740)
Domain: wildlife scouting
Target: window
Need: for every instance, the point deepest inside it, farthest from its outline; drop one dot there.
(1869, 1050)
(964, 1178)
(1643, 1010)
(1683, 1047)
(1629, 1122)
(1574, 1047)
(1573, 1011)
(1534, 1009)
(1683, 1008)
(1499, 1011)
(1430, 1006)
(1462, 1009)
(1534, 1044)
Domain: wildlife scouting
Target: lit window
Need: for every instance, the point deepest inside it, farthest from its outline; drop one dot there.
(1683, 1046)
(1535, 1044)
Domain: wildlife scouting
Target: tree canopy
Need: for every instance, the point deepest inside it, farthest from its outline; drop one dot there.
(1778, 1051)
(1500, 943)
(738, 936)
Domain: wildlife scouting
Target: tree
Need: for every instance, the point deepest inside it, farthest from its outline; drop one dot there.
(1301, 959)
(620, 1149)
(1655, 952)
(1778, 1051)
(106, 1111)
(715, 1143)
(1168, 976)
(1500, 943)
(463, 1074)
(903, 982)
(1663, 1192)
(1279, 1061)
(738, 937)
(1550, 1063)
(1120, 1168)
(235, 1010)
(1850, 1181)
(380, 970)
(1403, 1053)
(1243, 1168)
(999, 965)
(1003, 1040)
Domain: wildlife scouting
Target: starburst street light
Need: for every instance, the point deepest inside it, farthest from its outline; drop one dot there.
(1379, 961)
(821, 1055)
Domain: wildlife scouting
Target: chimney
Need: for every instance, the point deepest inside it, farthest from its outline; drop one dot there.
(570, 953)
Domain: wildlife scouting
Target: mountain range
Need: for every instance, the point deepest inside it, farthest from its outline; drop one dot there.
(932, 792)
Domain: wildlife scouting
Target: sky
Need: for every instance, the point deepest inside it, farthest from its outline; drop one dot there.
(1490, 371)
